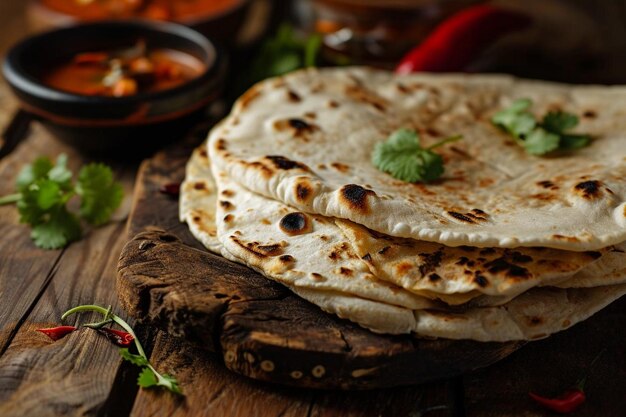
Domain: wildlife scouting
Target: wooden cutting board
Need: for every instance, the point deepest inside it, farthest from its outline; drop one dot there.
(260, 329)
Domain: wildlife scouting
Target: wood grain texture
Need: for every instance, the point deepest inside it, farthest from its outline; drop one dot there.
(72, 376)
(552, 365)
(211, 390)
(259, 328)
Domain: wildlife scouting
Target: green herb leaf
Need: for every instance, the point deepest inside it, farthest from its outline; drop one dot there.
(516, 119)
(44, 191)
(60, 173)
(559, 122)
(30, 173)
(312, 49)
(540, 142)
(170, 383)
(48, 193)
(403, 157)
(101, 195)
(282, 53)
(132, 358)
(60, 229)
(147, 378)
(574, 141)
(539, 138)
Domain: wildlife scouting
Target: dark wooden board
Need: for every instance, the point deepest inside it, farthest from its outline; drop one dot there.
(259, 328)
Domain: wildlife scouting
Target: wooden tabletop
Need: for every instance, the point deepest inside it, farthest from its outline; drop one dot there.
(83, 374)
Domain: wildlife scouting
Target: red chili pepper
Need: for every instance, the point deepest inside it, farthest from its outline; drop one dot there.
(56, 333)
(454, 43)
(172, 189)
(565, 403)
(118, 337)
(571, 399)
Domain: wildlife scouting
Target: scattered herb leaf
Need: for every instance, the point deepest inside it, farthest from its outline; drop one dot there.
(403, 157)
(149, 376)
(132, 358)
(101, 195)
(44, 190)
(540, 138)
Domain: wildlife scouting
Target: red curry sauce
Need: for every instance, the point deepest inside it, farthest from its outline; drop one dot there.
(124, 73)
(151, 9)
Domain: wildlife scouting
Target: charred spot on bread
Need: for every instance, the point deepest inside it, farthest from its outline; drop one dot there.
(434, 277)
(461, 217)
(226, 205)
(340, 167)
(345, 271)
(510, 270)
(282, 162)
(481, 280)
(293, 96)
(220, 144)
(588, 189)
(472, 217)
(199, 186)
(430, 261)
(304, 190)
(295, 224)
(258, 250)
(355, 197)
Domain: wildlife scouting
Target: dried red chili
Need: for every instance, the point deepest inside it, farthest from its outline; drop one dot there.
(565, 403)
(453, 44)
(118, 337)
(56, 333)
(172, 189)
(569, 400)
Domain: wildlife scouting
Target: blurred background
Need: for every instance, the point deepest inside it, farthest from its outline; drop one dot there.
(570, 40)
(576, 41)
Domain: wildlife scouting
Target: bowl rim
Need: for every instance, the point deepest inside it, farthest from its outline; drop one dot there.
(22, 81)
(189, 20)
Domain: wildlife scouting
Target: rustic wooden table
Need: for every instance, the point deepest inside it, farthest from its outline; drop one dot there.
(83, 374)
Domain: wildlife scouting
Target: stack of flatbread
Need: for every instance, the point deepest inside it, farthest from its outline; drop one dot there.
(504, 246)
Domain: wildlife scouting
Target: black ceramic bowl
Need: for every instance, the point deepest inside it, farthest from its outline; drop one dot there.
(116, 126)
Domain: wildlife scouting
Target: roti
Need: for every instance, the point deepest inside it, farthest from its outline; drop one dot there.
(306, 139)
(535, 314)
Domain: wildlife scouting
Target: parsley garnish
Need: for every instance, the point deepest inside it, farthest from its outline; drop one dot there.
(149, 377)
(44, 190)
(404, 158)
(540, 137)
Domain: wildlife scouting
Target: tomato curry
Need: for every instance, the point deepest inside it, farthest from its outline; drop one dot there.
(124, 72)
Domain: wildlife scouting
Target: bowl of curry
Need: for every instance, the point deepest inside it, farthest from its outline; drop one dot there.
(117, 87)
(218, 19)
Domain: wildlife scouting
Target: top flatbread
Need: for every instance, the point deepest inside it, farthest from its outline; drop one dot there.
(306, 139)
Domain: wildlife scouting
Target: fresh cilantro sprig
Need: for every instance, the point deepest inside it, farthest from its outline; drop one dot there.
(44, 189)
(282, 53)
(403, 157)
(540, 137)
(149, 377)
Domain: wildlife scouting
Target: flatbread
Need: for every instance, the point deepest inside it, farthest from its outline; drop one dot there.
(304, 251)
(464, 272)
(306, 139)
(535, 314)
